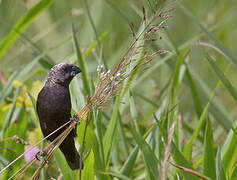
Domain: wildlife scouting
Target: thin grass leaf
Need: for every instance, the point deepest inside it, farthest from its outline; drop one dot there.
(120, 13)
(115, 174)
(96, 33)
(91, 21)
(220, 174)
(195, 173)
(222, 77)
(3, 160)
(176, 80)
(217, 42)
(217, 109)
(94, 44)
(22, 24)
(176, 154)
(149, 156)
(180, 160)
(209, 168)
(17, 130)
(130, 162)
(33, 101)
(23, 75)
(146, 99)
(62, 164)
(82, 63)
(188, 147)
(43, 175)
(196, 97)
(88, 172)
(166, 58)
(234, 174)
(123, 136)
(98, 124)
(7, 88)
(230, 155)
(109, 137)
(45, 61)
(8, 119)
(133, 112)
(91, 143)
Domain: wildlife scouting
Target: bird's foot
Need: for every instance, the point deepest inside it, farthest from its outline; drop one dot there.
(74, 118)
(42, 154)
(74, 131)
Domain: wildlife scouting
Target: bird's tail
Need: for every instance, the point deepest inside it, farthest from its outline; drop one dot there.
(70, 152)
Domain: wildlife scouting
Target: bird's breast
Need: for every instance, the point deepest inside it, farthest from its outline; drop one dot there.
(53, 107)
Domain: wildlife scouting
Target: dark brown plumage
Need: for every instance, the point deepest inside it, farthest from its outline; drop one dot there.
(54, 109)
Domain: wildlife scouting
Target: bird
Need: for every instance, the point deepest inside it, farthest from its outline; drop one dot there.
(54, 109)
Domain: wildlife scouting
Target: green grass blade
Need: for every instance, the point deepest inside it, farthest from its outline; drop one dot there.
(8, 119)
(188, 148)
(110, 134)
(123, 136)
(22, 24)
(209, 168)
(94, 44)
(217, 109)
(230, 155)
(180, 160)
(196, 97)
(25, 70)
(91, 143)
(222, 77)
(144, 98)
(88, 172)
(117, 10)
(15, 129)
(133, 112)
(82, 63)
(98, 125)
(217, 42)
(7, 88)
(176, 154)
(33, 101)
(3, 161)
(62, 163)
(116, 175)
(149, 156)
(220, 174)
(130, 162)
(176, 79)
(91, 20)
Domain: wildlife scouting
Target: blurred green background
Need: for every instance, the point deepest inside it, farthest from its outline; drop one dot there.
(202, 26)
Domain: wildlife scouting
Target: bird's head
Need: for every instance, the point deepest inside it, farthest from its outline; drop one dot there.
(62, 74)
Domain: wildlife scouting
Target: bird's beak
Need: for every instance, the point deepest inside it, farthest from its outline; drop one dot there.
(75, 70)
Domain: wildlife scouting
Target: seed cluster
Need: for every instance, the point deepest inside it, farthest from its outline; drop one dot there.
(138, 54)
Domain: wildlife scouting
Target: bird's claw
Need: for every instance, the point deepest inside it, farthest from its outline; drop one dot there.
(43, 154)
(39, 154)
(46, 161)
(74, 118)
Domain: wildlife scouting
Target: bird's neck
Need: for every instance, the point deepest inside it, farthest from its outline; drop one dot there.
(54, 83)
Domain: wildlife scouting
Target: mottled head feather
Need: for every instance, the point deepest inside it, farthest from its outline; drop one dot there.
(62, 74)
